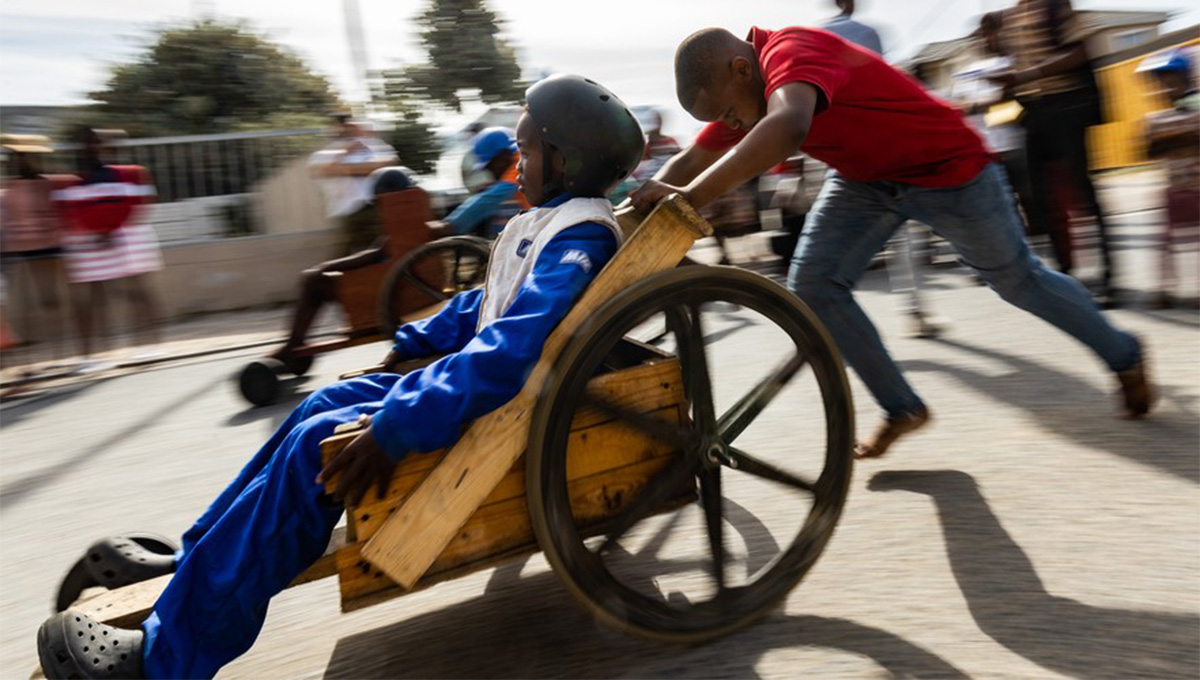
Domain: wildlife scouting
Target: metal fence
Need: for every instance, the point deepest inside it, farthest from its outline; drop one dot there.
(203, 182)
(200, 166)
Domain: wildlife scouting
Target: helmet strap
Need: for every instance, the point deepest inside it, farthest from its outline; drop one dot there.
(550, 188)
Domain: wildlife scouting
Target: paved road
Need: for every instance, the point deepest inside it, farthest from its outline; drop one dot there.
(1028, 533)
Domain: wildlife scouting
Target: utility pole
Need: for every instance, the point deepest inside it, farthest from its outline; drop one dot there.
(358, 48)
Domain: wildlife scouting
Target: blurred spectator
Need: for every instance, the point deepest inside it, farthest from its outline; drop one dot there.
(659, 147)
(998, 117)
(31, 238)
(318, 285)
(106, 243)
(732, 214)
(494, 149)
(1172, 136)
(1052, 78)
(343, 167)
(859, 34)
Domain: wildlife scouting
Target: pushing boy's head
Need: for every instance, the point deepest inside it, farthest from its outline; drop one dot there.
(717, 79)
(494, 149)
(575, 137)
(1171, 72)
(990, 25)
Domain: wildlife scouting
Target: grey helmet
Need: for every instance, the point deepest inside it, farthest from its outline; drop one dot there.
(598, 137)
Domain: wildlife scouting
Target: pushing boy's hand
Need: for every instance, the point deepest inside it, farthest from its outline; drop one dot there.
(361, 464)
(649, 194)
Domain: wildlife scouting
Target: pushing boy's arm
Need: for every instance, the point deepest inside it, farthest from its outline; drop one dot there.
(684, 166)
(480, 207)
(790, 111)
(1171, 130)
(426, 409)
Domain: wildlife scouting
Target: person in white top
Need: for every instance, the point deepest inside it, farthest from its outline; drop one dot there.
(344, 167)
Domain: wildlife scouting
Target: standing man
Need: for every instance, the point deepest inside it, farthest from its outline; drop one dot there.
(858, 33)
(344, 168)
(1052, 78)
(895, 153)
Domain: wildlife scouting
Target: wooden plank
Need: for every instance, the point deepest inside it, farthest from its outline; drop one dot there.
(597, 448)
(416, 534)
(127, 607)
(503, 528)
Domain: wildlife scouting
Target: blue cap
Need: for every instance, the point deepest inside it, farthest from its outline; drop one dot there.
(489, 143)
(1172, 60)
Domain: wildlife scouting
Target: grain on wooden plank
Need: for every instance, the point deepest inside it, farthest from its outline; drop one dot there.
(504, 527)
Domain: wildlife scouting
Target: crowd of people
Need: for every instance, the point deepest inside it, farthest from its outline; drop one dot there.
(896, 154)
(84, 229)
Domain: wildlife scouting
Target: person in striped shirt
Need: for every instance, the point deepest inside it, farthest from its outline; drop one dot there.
(107, 248)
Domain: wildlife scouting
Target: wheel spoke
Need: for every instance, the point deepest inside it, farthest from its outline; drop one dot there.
(673, 480)
(678, 436)
(744, 462)
(423, 287)
(689, 334)
(735, 421)
(710, 498)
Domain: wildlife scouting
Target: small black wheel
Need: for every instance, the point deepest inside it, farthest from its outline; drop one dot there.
(679, 575)
(299, 365)
(78, 579)
(259, 381)
(430, 274)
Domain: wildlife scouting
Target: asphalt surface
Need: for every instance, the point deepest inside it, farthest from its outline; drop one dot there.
(1026, 533)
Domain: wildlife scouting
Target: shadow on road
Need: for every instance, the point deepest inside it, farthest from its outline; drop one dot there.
(1070, 407)
(530, 628)
(17, 491)
(17, 411)
(277, 412)
(1010, 604)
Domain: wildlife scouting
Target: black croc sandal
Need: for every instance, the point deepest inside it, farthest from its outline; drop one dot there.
(72, 644)
(79, 578)
(121, 560)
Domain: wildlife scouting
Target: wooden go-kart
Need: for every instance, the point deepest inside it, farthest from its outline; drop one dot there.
(412, 282)
(615, 461)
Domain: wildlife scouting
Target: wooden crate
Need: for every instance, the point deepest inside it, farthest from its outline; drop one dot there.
(609, 464)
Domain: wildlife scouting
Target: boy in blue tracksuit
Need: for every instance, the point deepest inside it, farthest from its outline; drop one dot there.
(487, 212)
(576, 141)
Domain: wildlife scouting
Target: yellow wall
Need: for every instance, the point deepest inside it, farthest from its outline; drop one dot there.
(1121, 143)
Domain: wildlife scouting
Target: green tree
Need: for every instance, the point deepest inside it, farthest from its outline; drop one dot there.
(465, 53)
(212, 76)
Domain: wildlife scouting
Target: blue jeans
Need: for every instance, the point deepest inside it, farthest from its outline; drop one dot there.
(852, 221)
(265, 528)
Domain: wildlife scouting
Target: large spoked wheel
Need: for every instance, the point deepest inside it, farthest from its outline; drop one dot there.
(429, 275)
(769, 451)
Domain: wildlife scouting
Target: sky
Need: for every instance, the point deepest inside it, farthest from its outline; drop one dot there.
(56, 52)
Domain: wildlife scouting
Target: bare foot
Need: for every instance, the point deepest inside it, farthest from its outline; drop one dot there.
(888, 432)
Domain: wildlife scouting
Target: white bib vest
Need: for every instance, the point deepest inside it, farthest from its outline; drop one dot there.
(517, 248)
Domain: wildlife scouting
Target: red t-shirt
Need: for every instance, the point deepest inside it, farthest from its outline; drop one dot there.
(873, 123)
(108, 200)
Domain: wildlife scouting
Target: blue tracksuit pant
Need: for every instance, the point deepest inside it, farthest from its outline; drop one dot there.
(264, 529)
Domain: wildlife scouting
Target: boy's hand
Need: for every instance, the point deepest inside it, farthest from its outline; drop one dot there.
(391, 361)
(649, 194)
(361, 464)
(439, 229)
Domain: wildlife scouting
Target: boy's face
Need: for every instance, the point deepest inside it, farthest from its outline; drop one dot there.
(734, 98)
(1173, 84)
(531, 166)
